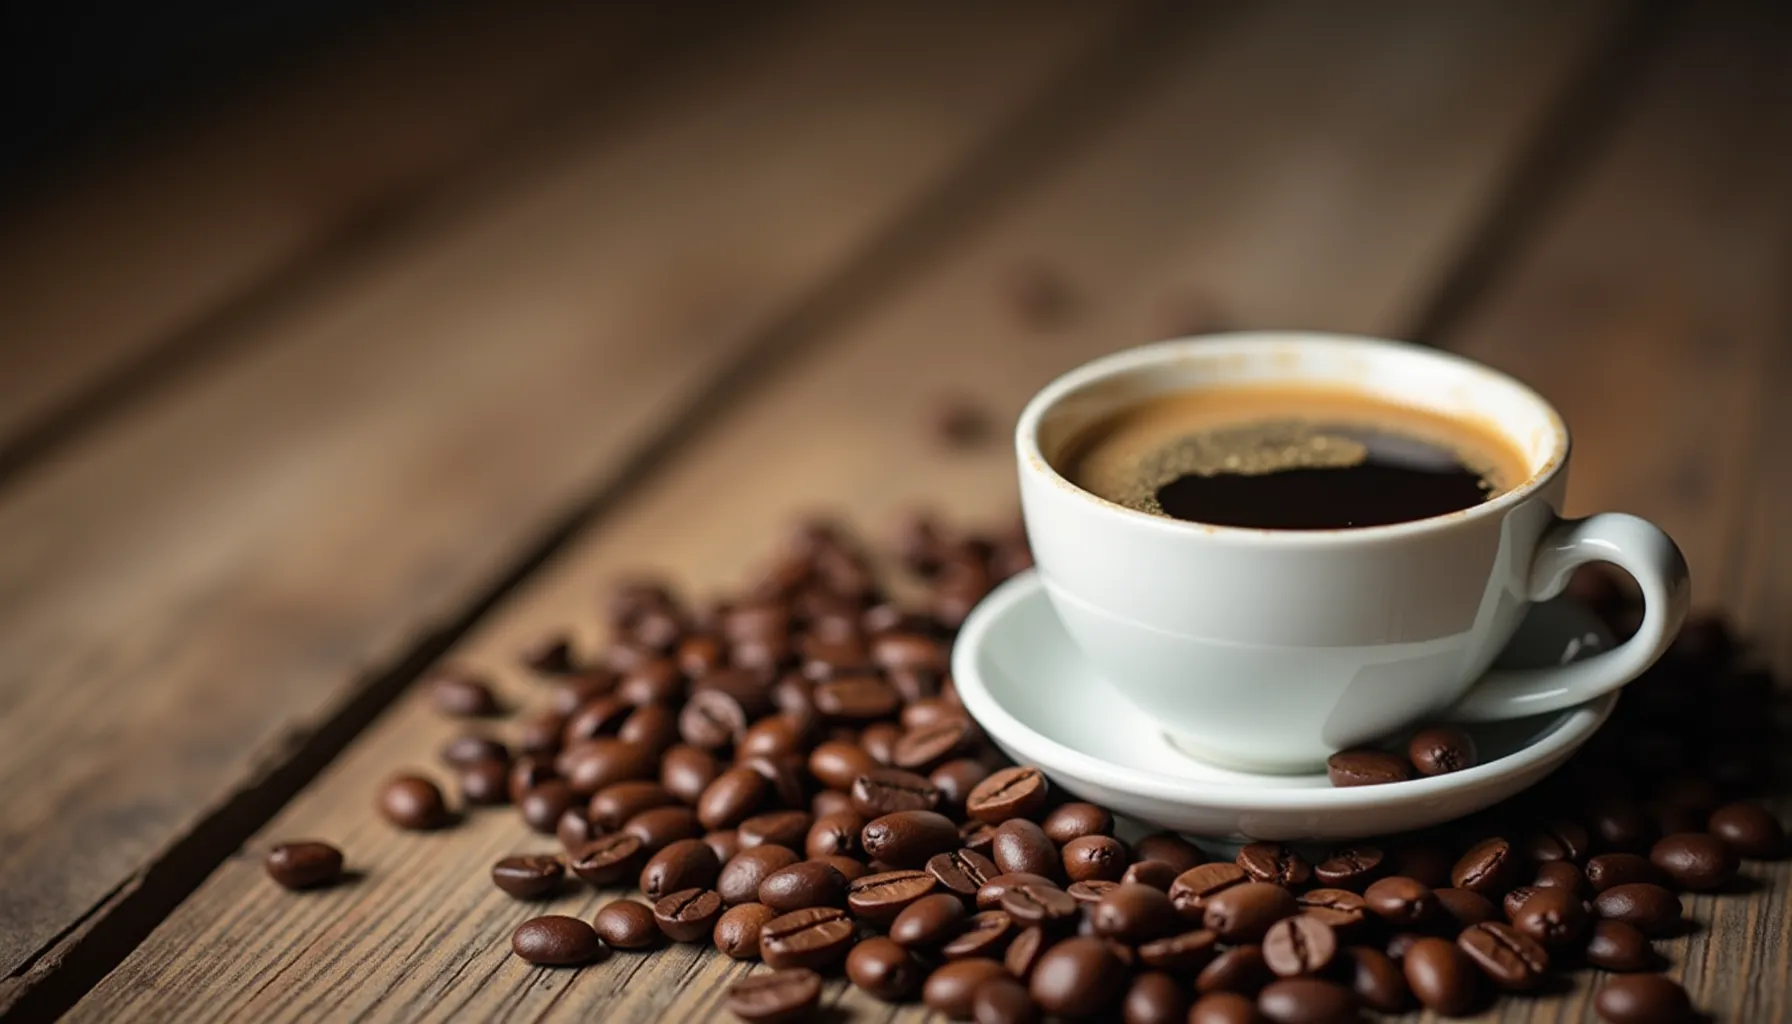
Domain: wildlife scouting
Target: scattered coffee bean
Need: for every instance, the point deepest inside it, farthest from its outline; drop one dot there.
(835, 834)
(1440, 975)
(1558, 841)
(1349, 867)
(884, 969)
(1749, 829)
(1442, 749)
(1003, 1001)
(1239, 969)
(557, 941)
(1695, 860)
(992, 892)
(1561, 874)
(1134, 914)
(550, 655)
(1090, 858)
(884, 896)
(778, 828)
(882, 791)
(686, 772)
(1009, 793)
(472, 748)
(1643, 999)
(1554, 917)
(1273, 862)
(1614, 869)
(737, 931)
(816, 938)
(1244, 912)
(684, 864)
(1464, 907)
(1307, 1001)
(1376, 979)
(1022, 846)
(412, 802)
(1224, 1008)
(1299, 945)
(1075, 820)
(1618, 946)
(529, 876)
(1180, 954)
(929, 921)
(1154, 873)
(962, 871)
(808, 883)
(739, 879)
(484, 783)
(1024, 951)
(949, 991)
(1651, 909)
(780, 997)
(306, 864)
(1366, 768)
(608, 860)
(1194, 888)
(1154, 998)
(1485, 868)
(1077, 977)
(1169, 848)
(1031, 903)
(907, 839)
(984, 934)
(543, 806)
(627, 924)
(1402, 902)
(1621, 825)
(460, 694)
(1339, 908)
(688, 915)
(1513, 960)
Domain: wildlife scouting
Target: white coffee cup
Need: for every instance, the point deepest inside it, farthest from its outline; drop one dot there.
(1269, 650)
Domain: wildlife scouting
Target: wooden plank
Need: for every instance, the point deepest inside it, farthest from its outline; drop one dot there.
(197, 590)
(1200, 185)
(135, 248)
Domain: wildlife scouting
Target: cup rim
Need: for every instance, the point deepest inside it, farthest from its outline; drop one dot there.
(1033, 460)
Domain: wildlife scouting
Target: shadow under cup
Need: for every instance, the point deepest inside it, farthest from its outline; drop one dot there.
(1269, 650)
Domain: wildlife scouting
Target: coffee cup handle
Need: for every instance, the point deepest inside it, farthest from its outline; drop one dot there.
(1635, 545)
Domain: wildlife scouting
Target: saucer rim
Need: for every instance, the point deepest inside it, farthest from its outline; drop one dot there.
(1571, 729)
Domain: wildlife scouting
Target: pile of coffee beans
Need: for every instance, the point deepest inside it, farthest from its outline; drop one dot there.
(787, 774)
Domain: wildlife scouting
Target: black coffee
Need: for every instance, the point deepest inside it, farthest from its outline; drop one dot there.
(1289, 459)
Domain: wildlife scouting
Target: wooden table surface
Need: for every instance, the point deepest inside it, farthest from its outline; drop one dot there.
(400, 353)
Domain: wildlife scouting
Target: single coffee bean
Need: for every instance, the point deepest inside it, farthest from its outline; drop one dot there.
(600, 716)
(305, 864)
(1402, 902)
(551, 654)
(1554, 917)
(1376, 979)
(687, 771)
(830, 801)
(837, 764)
(1244, 912)
(1030, 903)
(991, 894)
(977, 836)
(1622, 826)
(776, 735)
(659, 827)
(1154, 998)
(608, 859)
(1560, 874)
(1193, 889)
(1350, 867)
(413, 803)
(955, 779)
(1464, 908)
(1613, 869)
(685, 864)
(528, 877)
(1020, 845)
(1224, 1008)
(861, 698)
(1075, 820)
(1078, 977)
(780, 997)
(1651, 909)
(737, 931)
(1273, 862)
(539, 734)
(612, 806)
(884, 896)
(1299, 945)
(1134, 914)
(882, 791)
(712, 719)
(805, 884)
(835, 834)
(1366, 768)
(626, 924)
(1018, 792)
(472, 748)
(1442, 749)
(929, 921)
(1180, 954)
(688, 915)
(542, 807)
(1515, 898)
(1513, 960)
(594, 764)
(731, 798)
(1440, 975)
(1003, 1001)
(950, 989)
(1090, 891)
(923, 747)
(557, 941)
(1558, 841)
(962, 871)
(884, 969)
(1617, 946)
(1339, 908)
(1485, 868)
(1090, 858)
(1749, 829)
(1695, 860)
(907, 839)
(1240, 969)
(1643, 999)
(484, 783)
(1154, 873)
(1024, 951)
(779, 828)
(1307, 1001)
(1169, 848)
(725, 842)
(816, 938)
(984, 934)
(458, 693)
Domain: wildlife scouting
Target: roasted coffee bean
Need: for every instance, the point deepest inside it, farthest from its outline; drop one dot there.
(305, 864)
(542, 807)
(550, 655)
(1695, 860)
(1024, 951)
(1090, 891)
(850, 869)
(950, 989)
(882, 791)
(1515, 898)
(1194, 888)
(557, 941)
(1273, 862)
(955, 779)
(653, 726)
(1171, 849)
(626, 924)
(1643, 999)
(569, 695)
(835, 835)
(737, 931)
(1134, 914)
(993, 890)
(1513, 960)
(652, 681)
(1075, 820)
(1090, 858)
(962, 871)
(484, 783)
(608, 860)
(1154, 873)
(1243, 912)
(597, 763)
(1614, 869)
(1464, 907)
(924, 746)
(472, 748)
(816, 937)
(1307, 1001)
(600, 716)
(412, 802)
(1180, 954)
(731, 798)
(612, 806)
(882, 897)
(1554, 917)
(857, 698)
(1224, 1008)
(1348, 867)
(1617, 946)
(1366, 768)
(1402, 902)
(784, 777)
(1003, 1001)
(725, 842)
(984, 934)
(1442, 749)
(1077, 977)
(808, 883)
(879, 740)
(529, 876)
(1376, 979)
(1299, 945)
(1340, 908)
(685, 864)
(830, 801)
(712, 720)
(1622, 826)
(1010, 793)
(1485, 868)
(686, 772)
(977, 836)
(539, 734)
(1560, 874)
(884, 969)
(1440, 975)
(1154, 998)
(1749, 829)
(1240, 969)
(928, 921)
(660, 827)
(780, 997)
(1031, 903)
(780, 828)
(907, 839)
(1022, 846)
(1558, 841)
(777, 735)
(1651, 909)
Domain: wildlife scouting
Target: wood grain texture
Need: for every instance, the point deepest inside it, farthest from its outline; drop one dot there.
(191, 593)
(1198, 193)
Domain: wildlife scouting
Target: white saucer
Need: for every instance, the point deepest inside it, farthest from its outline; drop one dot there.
(1027, 686)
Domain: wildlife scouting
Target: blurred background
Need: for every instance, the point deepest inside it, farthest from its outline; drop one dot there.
(336, 337)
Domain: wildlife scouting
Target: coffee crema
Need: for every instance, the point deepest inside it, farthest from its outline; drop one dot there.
(1289, 458)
